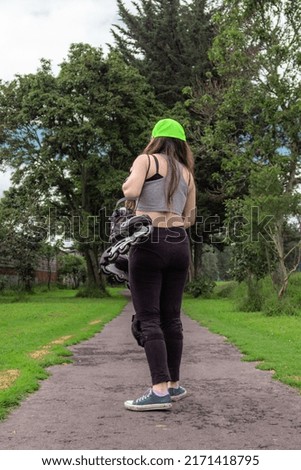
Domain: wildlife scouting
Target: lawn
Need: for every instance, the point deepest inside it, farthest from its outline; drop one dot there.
(34, 334)
(274, 341)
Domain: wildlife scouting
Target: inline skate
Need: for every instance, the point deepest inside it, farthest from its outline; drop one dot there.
(126, 230)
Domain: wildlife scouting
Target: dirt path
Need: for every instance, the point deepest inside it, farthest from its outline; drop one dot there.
(231, 404)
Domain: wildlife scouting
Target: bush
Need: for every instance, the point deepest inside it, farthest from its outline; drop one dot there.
(289, 304)
(7, 283)
(248, 296)
(14, 294)
(200, 286)
(3, 283)
(276, 307)
(225, 290)
(250, 304)
(43, 288)
(253, 300)
(262, 296)
(294, 289)
(91, 292)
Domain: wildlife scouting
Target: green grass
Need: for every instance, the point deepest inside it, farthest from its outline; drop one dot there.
(274, 341)
(41, 324)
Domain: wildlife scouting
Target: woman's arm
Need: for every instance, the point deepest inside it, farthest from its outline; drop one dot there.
(189, 213)
(132, 187)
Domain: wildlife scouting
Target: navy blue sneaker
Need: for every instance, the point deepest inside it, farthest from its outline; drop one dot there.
(177, 393)
(149, 401)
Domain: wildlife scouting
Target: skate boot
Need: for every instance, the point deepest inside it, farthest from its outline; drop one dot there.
(132, 231)
(126, 230)
(135, 224)
(117, 269)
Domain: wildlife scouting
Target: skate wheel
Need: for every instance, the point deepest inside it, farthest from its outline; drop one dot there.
(105, 270)
(105, 255)
(113, 256)
(119, 279)
(124, 249)
(144, 235)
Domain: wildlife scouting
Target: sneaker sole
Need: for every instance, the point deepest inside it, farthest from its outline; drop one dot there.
(155, 406)
(178, 397)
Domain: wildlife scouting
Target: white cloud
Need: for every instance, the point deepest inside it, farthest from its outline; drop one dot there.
(31, 29)
(4, 181)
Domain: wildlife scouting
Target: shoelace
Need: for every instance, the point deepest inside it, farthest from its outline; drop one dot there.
(146, 395)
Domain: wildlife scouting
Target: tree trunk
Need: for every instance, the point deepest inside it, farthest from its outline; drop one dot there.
(283, 289)
(49, 272)
(197, 258)
(94, 277)
(280, 275)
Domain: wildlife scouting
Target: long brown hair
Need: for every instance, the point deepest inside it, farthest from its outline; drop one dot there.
(175, 149)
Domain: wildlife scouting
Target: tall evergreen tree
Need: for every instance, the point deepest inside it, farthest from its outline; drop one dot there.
(168, 41)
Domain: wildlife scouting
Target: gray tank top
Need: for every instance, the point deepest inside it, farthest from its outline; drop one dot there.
(153, 195)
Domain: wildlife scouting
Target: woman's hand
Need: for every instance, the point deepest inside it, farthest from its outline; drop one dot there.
(130, 204)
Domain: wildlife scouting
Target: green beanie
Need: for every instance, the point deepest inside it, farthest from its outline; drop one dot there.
(169, 128)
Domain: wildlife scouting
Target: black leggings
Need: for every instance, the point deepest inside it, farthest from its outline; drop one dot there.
(157, 273)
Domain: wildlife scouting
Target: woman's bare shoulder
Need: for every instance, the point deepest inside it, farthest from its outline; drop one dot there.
(141, 159)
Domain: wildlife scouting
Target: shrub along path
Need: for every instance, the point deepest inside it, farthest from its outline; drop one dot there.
(232, 405)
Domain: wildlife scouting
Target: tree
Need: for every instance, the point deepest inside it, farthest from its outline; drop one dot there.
(71, 138)
(255, 129)
(168, 41)
(71, 269)
(210, 263)
(268, 246)
(223, 263)
(20, 239)
(48, 252)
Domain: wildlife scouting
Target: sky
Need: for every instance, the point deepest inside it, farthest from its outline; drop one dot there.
(35, 29)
